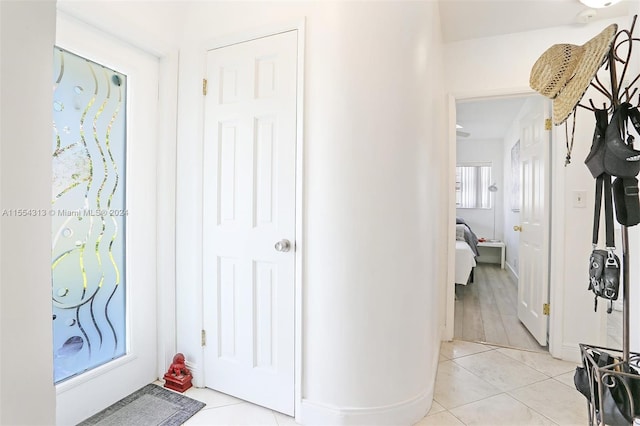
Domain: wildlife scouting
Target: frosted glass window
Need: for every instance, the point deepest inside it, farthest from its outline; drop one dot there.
(88, 214)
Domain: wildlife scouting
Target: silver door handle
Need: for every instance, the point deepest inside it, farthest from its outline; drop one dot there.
(283, 245)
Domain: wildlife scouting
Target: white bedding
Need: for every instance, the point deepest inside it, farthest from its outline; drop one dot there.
(465, 262)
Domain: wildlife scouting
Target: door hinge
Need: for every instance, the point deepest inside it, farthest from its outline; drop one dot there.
(203, 338)
(546, 309)
(547, 124)
(204, 86)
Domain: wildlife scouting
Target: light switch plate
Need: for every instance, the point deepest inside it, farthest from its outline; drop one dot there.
(580, 199)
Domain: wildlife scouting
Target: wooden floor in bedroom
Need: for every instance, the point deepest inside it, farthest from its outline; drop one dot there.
(486, 310)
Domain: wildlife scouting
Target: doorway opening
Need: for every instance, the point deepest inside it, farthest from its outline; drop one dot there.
(490, 132)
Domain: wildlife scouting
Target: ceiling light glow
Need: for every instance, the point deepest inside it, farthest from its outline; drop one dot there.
(599, 4)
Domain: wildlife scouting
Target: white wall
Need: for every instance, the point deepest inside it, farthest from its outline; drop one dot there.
(372, 176)
(27, 37)
(27, 32)
(484, 151)
(153, 25)
(572, 305)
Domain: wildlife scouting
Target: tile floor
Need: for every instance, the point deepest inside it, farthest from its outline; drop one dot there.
(480, 384)
(476, 384)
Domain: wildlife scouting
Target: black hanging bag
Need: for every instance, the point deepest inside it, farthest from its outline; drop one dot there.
(604, 265)
(620, 159)
(625, 195)
(595, 159)
(625, 187)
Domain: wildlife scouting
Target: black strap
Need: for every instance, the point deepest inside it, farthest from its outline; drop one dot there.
(608, 212)
(596, 209)
(602, 121)
(603, 187)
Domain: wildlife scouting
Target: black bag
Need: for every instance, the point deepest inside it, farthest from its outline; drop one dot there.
(625, 196)
(595, 159)
(618, 392)
(581, 377)
(604, 274)
(620, 159)
(604, 265)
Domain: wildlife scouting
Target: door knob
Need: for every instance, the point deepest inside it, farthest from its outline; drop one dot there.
(517, 228)
(283, 245)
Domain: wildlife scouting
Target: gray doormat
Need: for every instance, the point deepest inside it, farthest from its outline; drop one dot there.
(150, 405)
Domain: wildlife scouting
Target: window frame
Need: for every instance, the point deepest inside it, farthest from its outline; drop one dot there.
(482, 198)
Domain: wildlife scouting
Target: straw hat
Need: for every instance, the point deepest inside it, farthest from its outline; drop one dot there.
(563, 73)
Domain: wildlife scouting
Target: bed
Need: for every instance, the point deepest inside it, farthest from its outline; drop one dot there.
(466, 252)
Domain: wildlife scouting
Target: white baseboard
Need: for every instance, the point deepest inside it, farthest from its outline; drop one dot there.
(196, 373)
(403, 413)
(571, 353)
(617, 305)
(514, 274)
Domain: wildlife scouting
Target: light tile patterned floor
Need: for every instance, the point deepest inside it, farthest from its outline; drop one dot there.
(476, 384)
(480, 384)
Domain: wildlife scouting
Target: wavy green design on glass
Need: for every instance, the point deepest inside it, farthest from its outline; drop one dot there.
(104, 180)
(88, 291)
(115, 184)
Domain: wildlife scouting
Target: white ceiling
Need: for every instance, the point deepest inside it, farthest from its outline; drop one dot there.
(487, 119)
(467, 19)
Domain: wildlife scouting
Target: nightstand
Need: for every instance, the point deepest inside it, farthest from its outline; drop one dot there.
(497, 245)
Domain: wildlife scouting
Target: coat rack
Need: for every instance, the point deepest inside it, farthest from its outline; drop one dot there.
(606, 377)
(623, 39)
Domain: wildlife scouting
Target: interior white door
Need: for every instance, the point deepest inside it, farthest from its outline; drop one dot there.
(81, 396)
(249, 220)
(533, 281)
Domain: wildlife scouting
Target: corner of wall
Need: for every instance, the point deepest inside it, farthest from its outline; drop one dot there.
(27, 36)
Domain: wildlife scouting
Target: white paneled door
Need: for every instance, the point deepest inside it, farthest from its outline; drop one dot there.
(249, 220)
(533, 283)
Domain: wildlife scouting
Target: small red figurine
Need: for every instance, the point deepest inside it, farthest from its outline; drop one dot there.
(178, 367)
(178, 377)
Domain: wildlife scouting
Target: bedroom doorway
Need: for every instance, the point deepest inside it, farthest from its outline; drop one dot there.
(486, 304)
(486, 310)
